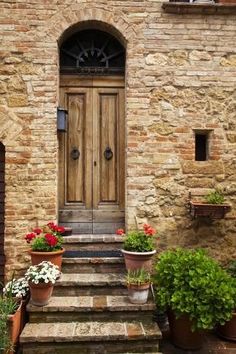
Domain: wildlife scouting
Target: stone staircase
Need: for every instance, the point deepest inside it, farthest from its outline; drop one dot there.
(89, 311)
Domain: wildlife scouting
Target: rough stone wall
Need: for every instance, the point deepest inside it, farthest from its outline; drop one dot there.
(181, 75)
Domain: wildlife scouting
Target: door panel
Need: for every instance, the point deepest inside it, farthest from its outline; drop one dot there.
(108, 147)
(75, 148)
(92, 185)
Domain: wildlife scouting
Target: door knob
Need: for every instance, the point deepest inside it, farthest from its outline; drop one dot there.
(75, 154)
(108, 154)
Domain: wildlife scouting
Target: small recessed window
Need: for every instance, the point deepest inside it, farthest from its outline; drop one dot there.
(201, 146)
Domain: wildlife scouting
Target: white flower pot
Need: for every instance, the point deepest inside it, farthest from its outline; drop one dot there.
(138, 294)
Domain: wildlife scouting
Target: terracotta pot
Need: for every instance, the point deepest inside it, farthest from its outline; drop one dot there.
(138, 294)
(181, 333)
(138, 260)
(14, 326)
(24, 313)
(40, 293)
(53, 257)
(228, 330)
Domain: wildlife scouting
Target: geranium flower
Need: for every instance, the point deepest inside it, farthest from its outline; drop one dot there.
(37, 231)
(148, 230)
(120, 232)
(51, 224)
(30, 237)
(51, 240)
(60, 229)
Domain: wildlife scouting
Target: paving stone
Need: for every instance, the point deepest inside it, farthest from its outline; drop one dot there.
(58, 303)
(99, 330)
(134, 330)
(91, 279)
(93, 265)
(99, 302)
(86, 331)
(91, 303)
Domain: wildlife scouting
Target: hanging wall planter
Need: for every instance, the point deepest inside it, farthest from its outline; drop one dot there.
(213, 206)
(213, 211)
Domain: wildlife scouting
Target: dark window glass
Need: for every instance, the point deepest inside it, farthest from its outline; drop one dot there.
(201, 145)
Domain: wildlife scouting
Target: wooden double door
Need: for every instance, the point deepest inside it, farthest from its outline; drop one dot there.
(92, 155)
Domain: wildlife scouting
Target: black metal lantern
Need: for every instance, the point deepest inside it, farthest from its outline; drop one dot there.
(61, 119)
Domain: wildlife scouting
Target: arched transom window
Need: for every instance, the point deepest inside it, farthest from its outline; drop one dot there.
(92, 52)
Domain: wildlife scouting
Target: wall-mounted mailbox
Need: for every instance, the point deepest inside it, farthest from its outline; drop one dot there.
(61, 119)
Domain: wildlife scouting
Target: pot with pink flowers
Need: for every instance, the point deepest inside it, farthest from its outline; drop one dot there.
(46, 244)
(139, 247)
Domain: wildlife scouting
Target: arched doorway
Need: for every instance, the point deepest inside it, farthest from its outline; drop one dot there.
(92, 150)
(2, 209)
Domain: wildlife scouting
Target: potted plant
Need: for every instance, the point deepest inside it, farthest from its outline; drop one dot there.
(41, 278)
(196, 292)
(213, 206)
(138, 248)
(10, 322)
(19, 289)
(138, 283)
(46, 244)
(228, 330)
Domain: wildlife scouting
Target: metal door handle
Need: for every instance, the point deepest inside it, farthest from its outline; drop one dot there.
(108, 154)
(75, 154)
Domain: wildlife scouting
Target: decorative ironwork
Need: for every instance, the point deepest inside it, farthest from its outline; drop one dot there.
(75, 154)
(92, 52)
(108, 153)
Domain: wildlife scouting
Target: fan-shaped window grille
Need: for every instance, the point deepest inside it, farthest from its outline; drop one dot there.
(92, 52)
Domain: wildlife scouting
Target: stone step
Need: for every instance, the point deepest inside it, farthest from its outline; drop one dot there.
(93, 242)
(90, 337)
(93, 265)
(90, 308)
(84, 284)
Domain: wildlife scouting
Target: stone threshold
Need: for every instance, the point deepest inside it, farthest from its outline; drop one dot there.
(93, 238)
(88, 331)
(91, 303)
(199, 8)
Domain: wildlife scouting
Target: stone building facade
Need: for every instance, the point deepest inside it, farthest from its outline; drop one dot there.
(180, 79)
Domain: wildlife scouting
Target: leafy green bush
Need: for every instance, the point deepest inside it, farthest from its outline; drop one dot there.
(231, 268)
(190, 282)
(215, 197)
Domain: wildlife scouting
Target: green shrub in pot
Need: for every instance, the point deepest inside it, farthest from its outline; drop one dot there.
(191, 283)
(228, 330)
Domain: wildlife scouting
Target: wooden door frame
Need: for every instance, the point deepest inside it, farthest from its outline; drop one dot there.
(73, 82)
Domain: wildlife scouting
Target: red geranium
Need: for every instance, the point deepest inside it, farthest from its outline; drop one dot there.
(120, 232)
(30, 237)
(148, 230)
(51, 240)
(37, 231)
(47, 238)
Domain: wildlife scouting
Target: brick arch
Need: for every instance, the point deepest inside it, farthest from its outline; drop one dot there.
(2, 211)
(75, 17)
